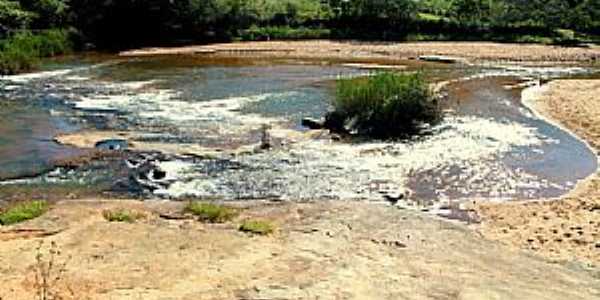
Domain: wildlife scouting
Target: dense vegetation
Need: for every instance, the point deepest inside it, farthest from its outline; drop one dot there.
(115, 24)
(386, 105)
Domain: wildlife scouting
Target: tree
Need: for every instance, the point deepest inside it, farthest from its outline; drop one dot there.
(12, 16)
(47, 13)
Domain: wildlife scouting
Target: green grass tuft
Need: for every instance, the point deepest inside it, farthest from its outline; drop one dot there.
(212, 213)
(386, 105)
(122, 215)
(23, 212)
(260, 227)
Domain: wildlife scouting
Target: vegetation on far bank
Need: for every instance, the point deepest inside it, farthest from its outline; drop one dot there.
(23, 50)
(385, 105)
(22, 212)
(129, 23)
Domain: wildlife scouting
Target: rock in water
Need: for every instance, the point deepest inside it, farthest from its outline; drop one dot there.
(312, 124)
(442, 59)
(113, 144)
(265, 139)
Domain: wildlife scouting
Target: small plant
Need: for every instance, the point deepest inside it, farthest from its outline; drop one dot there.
(23, 212)
(49, 272)
(212, 213)
(386, 105)
(122, 215)
(260, 227)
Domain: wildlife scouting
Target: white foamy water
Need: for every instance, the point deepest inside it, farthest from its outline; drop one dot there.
(314, 169)
(27, 77)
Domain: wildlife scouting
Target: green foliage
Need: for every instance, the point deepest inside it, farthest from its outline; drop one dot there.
(13, 16)
(23, 212)
(23, 50)
(122, 215)
(260, 227)
(212, 213)
(386, 105)
(283, 33)
(47, 13)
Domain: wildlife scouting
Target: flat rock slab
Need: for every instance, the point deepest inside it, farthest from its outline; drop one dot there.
(322, 250)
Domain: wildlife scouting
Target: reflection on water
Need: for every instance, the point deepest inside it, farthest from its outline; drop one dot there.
(490, 146)
(26, 146)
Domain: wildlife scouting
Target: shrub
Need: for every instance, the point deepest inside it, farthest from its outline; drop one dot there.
(283, 33)
(386, 105)
(23, 212)
(23, 50)
(122, 215)
(260, 227)
(212, 213)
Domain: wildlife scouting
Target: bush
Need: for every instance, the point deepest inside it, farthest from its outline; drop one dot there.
(283, 33)
(122, 215)
(260, 227)
(23, 212)
(386, 105)
(23, 50)
(212, 213)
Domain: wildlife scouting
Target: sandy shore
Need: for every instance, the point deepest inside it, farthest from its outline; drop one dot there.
(325, 49)
(569, 228)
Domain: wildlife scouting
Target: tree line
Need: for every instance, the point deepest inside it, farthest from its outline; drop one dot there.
(129, 23)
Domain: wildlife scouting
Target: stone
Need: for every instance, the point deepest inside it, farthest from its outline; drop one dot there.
(441, 59)
(112, 145)
(312, 124)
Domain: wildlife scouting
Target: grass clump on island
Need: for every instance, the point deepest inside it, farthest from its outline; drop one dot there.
(260, 227)
(385, 105)
(211, 213)
(22, 212)
(122, 215)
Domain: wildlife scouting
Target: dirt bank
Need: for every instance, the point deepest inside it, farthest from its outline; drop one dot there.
(324, 250)
(568, 228)
(323, 49)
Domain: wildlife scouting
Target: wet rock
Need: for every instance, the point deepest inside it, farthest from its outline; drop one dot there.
(112, 145)
(158, 174)
(393, 199)
(265, 139)
(313, 124)
(441, 59)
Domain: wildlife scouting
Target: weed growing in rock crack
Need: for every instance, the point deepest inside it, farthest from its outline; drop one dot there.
(23, 212)
(49, 272)
(260, 227)
(212, 213)
(122, 215)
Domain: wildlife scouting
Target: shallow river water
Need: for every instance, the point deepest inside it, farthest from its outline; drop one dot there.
(488, 146)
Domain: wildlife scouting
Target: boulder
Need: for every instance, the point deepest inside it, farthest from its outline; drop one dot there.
(313, 124)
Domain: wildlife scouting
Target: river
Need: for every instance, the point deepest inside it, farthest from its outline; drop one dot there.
(205, 117)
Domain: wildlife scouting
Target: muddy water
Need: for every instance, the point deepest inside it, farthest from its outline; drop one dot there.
(490, 146)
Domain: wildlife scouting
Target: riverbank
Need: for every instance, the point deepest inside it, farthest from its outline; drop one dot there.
(326, 49)
(568, 228)
(331, 250)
